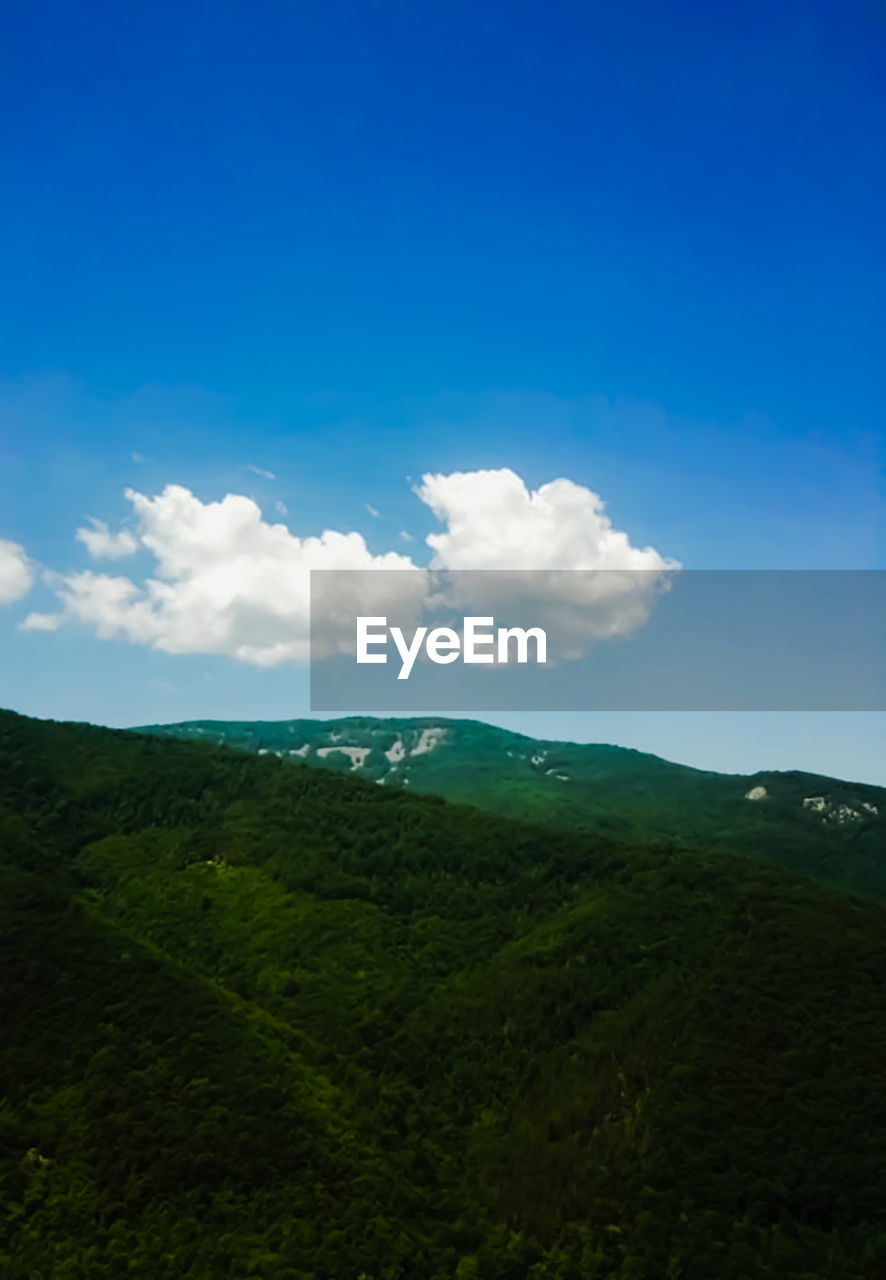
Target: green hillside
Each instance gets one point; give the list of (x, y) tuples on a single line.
[(262, 1020), (832, 830)]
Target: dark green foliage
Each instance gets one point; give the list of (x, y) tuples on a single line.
[(598, 790), (259, 1020)]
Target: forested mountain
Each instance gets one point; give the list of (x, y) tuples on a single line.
[(261, 1020), (832, 830)]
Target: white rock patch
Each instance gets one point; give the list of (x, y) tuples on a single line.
[(838, 813), (843, 813), (396, 753), (357, 755), (429, 739), (756, 793)]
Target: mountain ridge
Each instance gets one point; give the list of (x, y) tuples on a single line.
[(825, 827)]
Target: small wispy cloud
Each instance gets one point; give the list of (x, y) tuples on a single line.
[(100, 542), (260, 471), (406, 536), (281, 508), (138, 457), (42, 622), (373, 511)]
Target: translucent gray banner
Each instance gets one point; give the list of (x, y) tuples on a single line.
[(606, 640)]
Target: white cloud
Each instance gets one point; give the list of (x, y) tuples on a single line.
[(376, 515), (260, 471), (494, 522), (281, 508), (104, 545), (42, 622), (225, 581), (406, 536), (16, 572)]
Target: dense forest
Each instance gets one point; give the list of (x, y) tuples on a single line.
[(262, 1020), (832, 830)]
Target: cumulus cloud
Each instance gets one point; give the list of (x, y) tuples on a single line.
[(569, 568), (493, 521), (16, 572), (104, 545), (226, 581)]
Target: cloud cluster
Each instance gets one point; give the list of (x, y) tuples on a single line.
[(225, 581), (16, 572)]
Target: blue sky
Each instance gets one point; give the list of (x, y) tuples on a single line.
[(639, 246)]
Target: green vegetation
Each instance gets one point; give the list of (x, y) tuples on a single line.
[(261, 1020), (831, 830)]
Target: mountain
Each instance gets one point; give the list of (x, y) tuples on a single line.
[(264, 1020), (818, 826)]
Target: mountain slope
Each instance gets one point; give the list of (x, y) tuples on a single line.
[(131, 1084), (832, 830), (263, 1020)]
